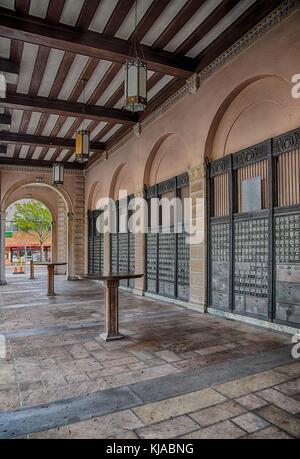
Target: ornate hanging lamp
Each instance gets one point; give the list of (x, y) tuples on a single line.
[(58, 174), (135, 76), (82, 149)]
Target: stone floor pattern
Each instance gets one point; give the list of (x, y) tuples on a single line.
[(178, 373)]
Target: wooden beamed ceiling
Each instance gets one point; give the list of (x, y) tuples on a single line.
[(54, 47)]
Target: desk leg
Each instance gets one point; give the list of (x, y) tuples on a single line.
[(111, 312), (51, 280)]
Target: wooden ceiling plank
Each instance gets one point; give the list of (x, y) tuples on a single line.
[(22, 7), (208, 24), (184, 15), (112, 71), (85, 76), (55, 9), (90, 44), (38, 71), (86, 15), (117, 18), (154, 11)]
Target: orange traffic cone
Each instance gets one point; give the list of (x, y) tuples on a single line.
[(15, 271), (21, 269)]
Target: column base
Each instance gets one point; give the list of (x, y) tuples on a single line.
[(72, 278), (3, 283), (108, 337)]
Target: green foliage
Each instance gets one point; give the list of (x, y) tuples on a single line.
[(33, 218)]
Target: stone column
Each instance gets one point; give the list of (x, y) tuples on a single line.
[(2, 248), (140, 242), (70, 268), (198, 292)]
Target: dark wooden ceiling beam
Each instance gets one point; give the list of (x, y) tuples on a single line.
[(156, 8), (42, 141), (3, 150), (55, 9), (183, 16), (249, 19), (38, 163), (86, 15), (91, 44), (117, 18), (211, 21), (44, 105)]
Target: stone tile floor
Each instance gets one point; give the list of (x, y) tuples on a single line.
[(178, 374)]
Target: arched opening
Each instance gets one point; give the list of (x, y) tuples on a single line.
[(28, 234), (60, 206)]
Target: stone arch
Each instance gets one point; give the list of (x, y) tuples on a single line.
[(90, 201), (64, 195), (169, 157), (122, 180), (30, 182), (247, 103)]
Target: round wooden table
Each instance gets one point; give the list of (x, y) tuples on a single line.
[(112, 281), (50, 267)]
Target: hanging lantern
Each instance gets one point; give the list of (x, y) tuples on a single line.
[(58, 174), (82, 151), (135, 85)]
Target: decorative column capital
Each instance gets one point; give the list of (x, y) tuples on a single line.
[(197, 173), (70, 215), (3, 215)]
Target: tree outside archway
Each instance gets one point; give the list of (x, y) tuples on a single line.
[(33, 218)]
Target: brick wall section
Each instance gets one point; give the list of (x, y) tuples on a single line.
[(198, 245)]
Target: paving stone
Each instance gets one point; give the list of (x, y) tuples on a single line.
[(281, 401), (103, 427), (281, 419), (224, 430), (270, 433), (124, 379), (250, 422), (9, 400), (168, 356), (176, 406), (168, 429), (251, 383), (291, 388), (251, 402), (292, 370), (217, 413)]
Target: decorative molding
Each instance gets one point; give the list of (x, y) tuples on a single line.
[(251, 155), (286, 142), (194, 84), (151, 192), (166, 186), (220, 166), (182, 180), (263, 27), (197, 173)]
